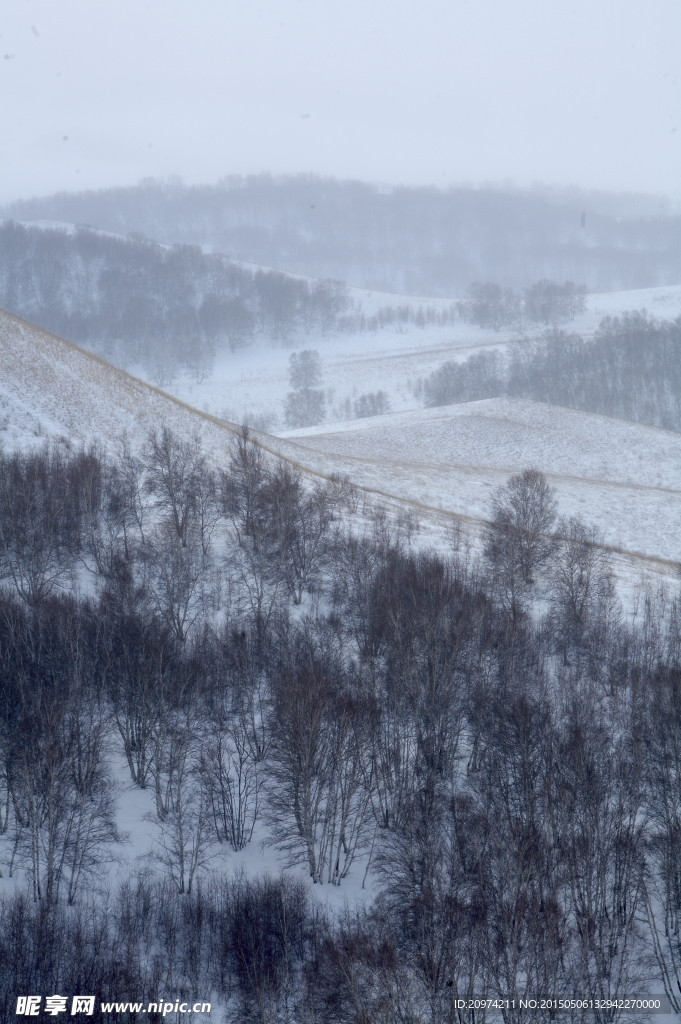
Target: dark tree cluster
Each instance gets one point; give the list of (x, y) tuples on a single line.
[(167, 307), (373, 403), (545, 302), (630, 369), (482, 375), (306, 402), (399, 317), (492, 746)]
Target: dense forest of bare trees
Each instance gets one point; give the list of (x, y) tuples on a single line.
[(172, 308), (135, 301), (491, 745), (630, 369)]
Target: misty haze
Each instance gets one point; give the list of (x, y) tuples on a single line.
[(340, 512)]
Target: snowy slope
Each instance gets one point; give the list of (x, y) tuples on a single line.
[(49, 387), (624, 477), (52, 389)]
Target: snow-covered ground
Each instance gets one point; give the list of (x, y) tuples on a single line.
[(49, 387), (139, 853), (52, 389)]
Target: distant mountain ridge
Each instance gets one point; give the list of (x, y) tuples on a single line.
[(420, 241)]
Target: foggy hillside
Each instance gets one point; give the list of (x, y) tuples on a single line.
[(440, 463), (422, 241)]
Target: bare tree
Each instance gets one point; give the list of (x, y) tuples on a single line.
[(231, 773), (255, 577), (305, 404), (62, 791), (521, 881), (185, 835), (348, 803), (299, 766), (430, 875), (139, 656), (176, 577), (305, 407), (325, 302), (663, 877), (602, 818), (236, 743), (518, 542), (581, 581), (182, 486), (128, 497), (298, 521), (374, 403), (548, 302), (280, 298), (306, 551), (267, 940), (314, 764), (490, 305), (241, 488), (38, 533), (180, 786), (305, 369)]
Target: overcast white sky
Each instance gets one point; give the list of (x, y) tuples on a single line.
[(106, 92)]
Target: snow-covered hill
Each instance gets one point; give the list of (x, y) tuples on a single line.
[(624, 477), (51, 388), (444, 463), (251, 383)]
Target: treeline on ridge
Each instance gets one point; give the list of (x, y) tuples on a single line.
[(631, 369), (260, 650), (414, 241)]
